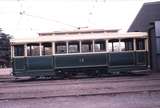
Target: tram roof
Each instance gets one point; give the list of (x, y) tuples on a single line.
[(71, 37), (85, 31)]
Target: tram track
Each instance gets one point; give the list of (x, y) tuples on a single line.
[(75, 81), (79, 87), (48, 91), (114, 93)]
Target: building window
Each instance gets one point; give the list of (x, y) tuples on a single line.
[(158, 45), (33, 49), (18, 50), (140, 44), (73, 47), (61, 47), (87, 46), (126, 44), (100, 45), (113, 45), (157, 28), (46, 48)]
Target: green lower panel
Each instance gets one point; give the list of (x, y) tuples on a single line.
[(39, 63), (83, 60), (118, 59), (127, 69), (33, 66), (18, 65), (141, 58)]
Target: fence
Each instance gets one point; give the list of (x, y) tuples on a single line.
[(5, 71)]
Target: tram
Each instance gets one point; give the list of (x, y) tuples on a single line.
[(88, 53)]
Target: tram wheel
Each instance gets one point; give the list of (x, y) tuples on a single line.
[(92, 73), (60, 74), (34, 77)]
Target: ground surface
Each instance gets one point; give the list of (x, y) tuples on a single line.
[(107, 92), (141, 100)]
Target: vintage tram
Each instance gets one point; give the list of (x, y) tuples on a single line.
[(88, 53)]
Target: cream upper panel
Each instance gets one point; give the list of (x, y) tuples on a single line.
[(70, 37)]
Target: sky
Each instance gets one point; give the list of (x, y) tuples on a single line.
[(27, 18)]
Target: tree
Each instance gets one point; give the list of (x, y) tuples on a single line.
[(4, 49)]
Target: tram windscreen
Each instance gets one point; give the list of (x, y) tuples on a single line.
[(18, 50)]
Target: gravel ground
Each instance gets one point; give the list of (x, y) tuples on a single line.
[(25, 90), (145, 99), (141, 100)]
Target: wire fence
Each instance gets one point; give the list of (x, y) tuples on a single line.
[(5, 71)]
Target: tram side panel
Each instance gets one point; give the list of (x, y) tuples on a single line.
[(82, 62), (128, 61), (122, 61), (33, 66), (142, 60), (112, 62), (40, 66), (19, 67)]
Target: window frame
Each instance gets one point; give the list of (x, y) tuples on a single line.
[(43, 49), (64, 44), (90, 46), (112, 45), (144, 44), (127, 42), (13, 50), (105, 45), (31, 50), (73, 43), (157, 44)]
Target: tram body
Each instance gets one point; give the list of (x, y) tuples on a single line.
[(74, 53)]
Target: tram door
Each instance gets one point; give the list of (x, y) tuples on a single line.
[(141, 54), (18, 59)]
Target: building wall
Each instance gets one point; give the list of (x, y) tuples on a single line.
[(148, 13), (157, 42), (155, 45), (148, 20)]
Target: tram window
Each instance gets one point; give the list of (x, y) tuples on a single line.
[(73, 47), (100, 45), (113, 45), (19, 50), (140, 44), (46, 48), (126, 44), (61, 47), (87, 46), (33, 49)]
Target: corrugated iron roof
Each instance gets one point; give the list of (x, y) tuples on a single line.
[(149, 13)]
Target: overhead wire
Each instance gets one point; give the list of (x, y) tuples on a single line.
[(23, 13), (48, 19)]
